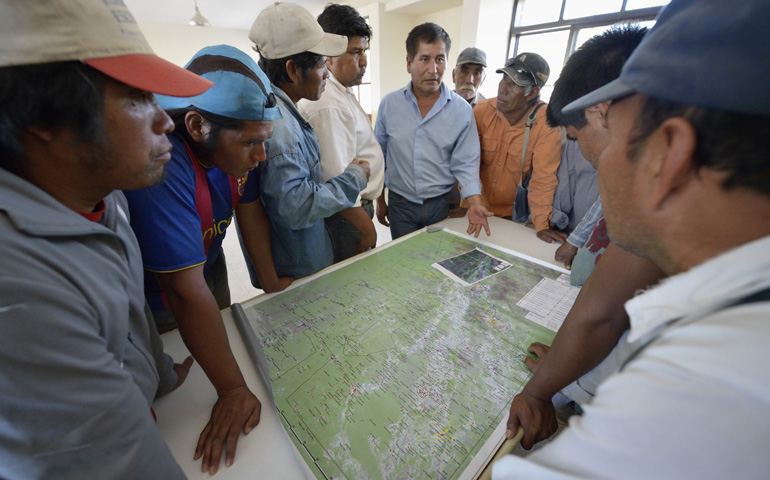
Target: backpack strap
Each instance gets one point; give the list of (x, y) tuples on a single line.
[(530, 122)]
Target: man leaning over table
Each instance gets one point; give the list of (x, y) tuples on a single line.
[(80, 358), (181, 222), (690, 397)]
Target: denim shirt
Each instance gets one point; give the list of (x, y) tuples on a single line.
[(296, 199)]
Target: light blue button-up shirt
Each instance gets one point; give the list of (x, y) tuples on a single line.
[(424, 156), (296, 199)]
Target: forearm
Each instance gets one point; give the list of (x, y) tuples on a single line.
[(202, 330), (254, 226), (595, 322), (358, 217)]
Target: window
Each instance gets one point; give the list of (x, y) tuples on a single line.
[(555, 28)]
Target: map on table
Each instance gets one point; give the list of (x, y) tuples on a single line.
[(387, 368)]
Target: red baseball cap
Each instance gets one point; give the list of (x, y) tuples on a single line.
[(101, 34)]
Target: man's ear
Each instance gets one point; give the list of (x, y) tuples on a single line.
[(294, 72), (453, 76), (533, 94), (600, 109), (196, 126), (408, 65), (42, 134), (669, 162)]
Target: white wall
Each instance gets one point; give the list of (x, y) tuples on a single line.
[(178, 43), (481, 23)]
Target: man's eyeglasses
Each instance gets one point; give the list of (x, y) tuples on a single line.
[(521, 68)]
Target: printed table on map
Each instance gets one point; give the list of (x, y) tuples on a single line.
[(385, 367)]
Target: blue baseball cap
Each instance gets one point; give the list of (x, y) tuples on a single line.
[(241, 90), (705, 53)]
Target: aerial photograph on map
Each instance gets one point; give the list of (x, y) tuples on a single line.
[(386, 368), (471, 267)]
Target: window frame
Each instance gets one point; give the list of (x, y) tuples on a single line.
[(575, 25)]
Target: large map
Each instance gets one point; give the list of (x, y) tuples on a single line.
[(388, 368)]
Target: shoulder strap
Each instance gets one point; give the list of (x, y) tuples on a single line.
[(530, 122), (760, 296), (202, 200)]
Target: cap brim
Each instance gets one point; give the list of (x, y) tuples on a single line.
[(612, 91), (152, 74), (331, 45), (515, 78)]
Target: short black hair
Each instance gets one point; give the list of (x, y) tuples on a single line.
[(29, 98), (733, 143), (275, 69), (427, 33), (595, 64), (344, 20)]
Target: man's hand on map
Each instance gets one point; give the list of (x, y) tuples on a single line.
[(565, 254), (538, 349), (535, 415), (235, 411), (477, 216)]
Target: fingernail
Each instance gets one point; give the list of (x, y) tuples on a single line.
[(228, 462), (508, 434)]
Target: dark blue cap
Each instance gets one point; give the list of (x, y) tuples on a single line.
[(705, 53), (241, 90)]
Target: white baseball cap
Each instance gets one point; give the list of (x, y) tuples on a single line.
[(101, 34), (284, 29)]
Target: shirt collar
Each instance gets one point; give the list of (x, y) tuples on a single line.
[(290, 105), (332, 80), (703, 289)]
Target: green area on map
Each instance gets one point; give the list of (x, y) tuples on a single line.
[(386, 368)]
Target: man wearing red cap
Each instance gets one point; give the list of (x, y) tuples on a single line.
[(81, 359)]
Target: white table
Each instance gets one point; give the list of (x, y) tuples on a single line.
[(267, 452)]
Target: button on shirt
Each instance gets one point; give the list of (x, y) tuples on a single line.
[(344, 132), (424, 156)]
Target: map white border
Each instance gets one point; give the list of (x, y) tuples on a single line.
[(480, 461)]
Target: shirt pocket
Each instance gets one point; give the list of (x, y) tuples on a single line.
[(489, 149)]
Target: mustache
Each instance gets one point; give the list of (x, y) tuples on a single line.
[(465, 86)]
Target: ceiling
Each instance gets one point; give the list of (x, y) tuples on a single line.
[(238, 14)]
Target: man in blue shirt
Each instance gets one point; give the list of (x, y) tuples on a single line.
[(296, 198), (428, 136), (181, 222)]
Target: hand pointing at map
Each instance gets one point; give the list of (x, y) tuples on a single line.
[(477, 216)]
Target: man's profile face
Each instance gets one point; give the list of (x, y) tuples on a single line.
[(237, 152), (620, 191), (592, 137), (350, 67), (134, 149), (427, 67), (467, 79), (313, 84)]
